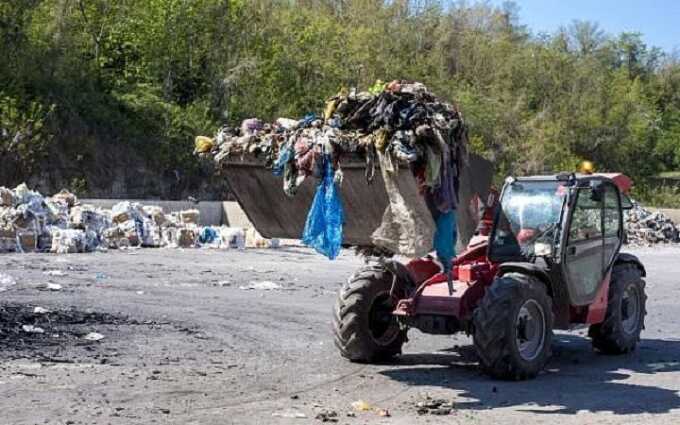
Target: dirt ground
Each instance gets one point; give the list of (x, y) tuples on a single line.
[(185, 343)]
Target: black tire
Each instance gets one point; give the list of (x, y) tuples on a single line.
[(501, 317), (619, 333), (363, 326)]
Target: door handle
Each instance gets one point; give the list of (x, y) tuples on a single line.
[(571, 250)]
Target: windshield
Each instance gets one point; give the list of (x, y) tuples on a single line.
[(529, 215)]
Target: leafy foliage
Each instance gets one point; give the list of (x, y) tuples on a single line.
[(151, 74)]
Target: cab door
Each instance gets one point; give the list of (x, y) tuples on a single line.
[(612, 222), (584, 253)]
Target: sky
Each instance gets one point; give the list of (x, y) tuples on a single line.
[(657, 20)]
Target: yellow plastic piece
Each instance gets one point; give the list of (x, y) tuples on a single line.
[(203, 144)]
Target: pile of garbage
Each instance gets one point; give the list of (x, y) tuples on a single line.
[(644, 227), (60, 224), (398, 122)]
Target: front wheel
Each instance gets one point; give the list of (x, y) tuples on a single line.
[(513, 327), (626, 309), (364, 327)]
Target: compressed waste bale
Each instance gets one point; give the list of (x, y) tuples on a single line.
[(155, 213), (253, 239), (126, 211), (131, 232), (29, 222), (68, 241), (24, 218), (114, 238), (45, 238), (190, 216), (233, 237), (87, 217), (23, 195), (57, 212), (187, 236), (151, 236), (8, 238), (67, 197), (6, 197), (169, 236), (208, 235), (27, 241)]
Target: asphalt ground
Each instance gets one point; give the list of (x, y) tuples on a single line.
[(186, 342)]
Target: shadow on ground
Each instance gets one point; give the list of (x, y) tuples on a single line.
[(577, 379)]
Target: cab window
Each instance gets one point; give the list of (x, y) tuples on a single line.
[(586, 222), (612, 217)]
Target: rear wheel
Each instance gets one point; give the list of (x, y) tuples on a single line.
[(513, 327), (625, 318), (364, 327)]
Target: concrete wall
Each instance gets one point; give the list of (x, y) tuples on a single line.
[(213, 213)]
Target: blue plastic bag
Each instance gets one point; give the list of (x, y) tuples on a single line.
[(307, 120), (445, 237), (208, 235), (323, 229)]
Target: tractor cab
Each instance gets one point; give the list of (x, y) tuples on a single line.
[(570, 226)]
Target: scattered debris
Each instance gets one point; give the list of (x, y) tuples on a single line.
[(55, 273), (93, 336), (253, 239), (361, 406), (40, 310), (6, 281), (644, 227), (290, 414), (384, 413), (328, 416), (33, 329), (53, 286), (432, 406), (264, 285)]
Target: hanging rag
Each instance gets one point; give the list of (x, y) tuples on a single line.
[(407, 227), (286, 154), (323, 229), (433, 166), (445, 237), (445, 196)]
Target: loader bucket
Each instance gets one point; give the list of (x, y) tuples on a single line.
[(275, 215)]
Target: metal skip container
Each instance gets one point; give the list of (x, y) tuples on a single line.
[(275, 215)]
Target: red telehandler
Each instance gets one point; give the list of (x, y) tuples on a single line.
[(548, 258)]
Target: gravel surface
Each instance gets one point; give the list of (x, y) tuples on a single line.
[(208, 337)]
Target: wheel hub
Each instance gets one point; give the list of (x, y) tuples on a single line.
[(382, 323), (630, 309), (530, 330)]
